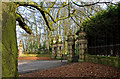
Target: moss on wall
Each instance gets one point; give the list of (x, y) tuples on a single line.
[(9, 41), (111, 61)]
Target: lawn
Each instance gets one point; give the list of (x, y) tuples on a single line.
[(36, 55)]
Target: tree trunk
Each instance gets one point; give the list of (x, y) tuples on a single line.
[(9, 41), (47, 38)]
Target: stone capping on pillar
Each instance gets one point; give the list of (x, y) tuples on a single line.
[(70, 37), (82, 35)]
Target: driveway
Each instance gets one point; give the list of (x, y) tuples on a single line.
[(27, 66)]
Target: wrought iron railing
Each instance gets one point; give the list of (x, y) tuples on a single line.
[(106, 50)]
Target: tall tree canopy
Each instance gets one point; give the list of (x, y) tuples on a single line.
[(103, 32)]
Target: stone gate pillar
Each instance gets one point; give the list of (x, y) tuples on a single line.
[(82, 45), (53, 48), (20, 48), (59, 48), (71, 47)]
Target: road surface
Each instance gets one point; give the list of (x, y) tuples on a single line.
[(27, 66)]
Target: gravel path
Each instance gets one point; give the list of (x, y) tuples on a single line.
[(27, 66)]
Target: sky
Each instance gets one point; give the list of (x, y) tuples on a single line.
[(19, 30), (76, 0)]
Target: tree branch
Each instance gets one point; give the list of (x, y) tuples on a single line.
[(64, 4), (38, 7), (51, 6), (91, 4), (20, 19), (75, 21), (47, 23), (58, 19)]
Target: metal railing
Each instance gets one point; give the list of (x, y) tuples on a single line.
[(106, 50)]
